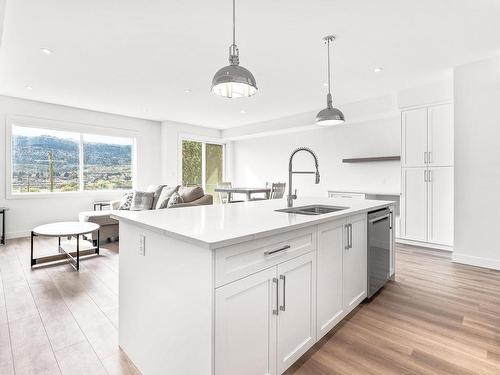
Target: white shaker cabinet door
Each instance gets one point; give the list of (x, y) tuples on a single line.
[(355, 283), (297, 309), (440, 138), (414, 184), (414, 138), (245, 326), (329, 276), (441, 205)]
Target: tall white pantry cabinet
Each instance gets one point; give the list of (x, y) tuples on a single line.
[(427, 175)]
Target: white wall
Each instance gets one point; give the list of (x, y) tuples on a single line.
[(477, 163), (26, 213), (266, 158), (362, 111), (434, 93)]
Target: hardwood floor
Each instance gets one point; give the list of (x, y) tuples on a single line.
[(437, 317), (54, 320)]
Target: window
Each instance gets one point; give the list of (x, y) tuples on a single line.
[(202, 165), (107, 162), (47, 161)]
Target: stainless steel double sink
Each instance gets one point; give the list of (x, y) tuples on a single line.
[(314, 209)]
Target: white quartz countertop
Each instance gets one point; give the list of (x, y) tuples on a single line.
[(227, 224)]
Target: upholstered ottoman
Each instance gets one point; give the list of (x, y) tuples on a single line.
[(109, 226)]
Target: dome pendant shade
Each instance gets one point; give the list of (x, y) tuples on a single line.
[(330, 115), (234, 81)]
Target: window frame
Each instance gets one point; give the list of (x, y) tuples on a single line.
[(78, 129), (204, 140)]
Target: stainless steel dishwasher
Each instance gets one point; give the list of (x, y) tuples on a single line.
[(379, 251)]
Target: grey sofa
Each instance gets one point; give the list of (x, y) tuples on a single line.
[(191, 196)]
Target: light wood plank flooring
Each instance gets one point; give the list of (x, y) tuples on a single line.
[(54, 320), (436, 318)]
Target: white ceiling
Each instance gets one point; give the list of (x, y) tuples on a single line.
[(137, 57)]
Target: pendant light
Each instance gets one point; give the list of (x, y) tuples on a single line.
[(329, 115), (234, 81)]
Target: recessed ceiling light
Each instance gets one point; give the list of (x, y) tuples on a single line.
[(378, 70), (187, 91), (28, 87), (243, 111), (47, 51)]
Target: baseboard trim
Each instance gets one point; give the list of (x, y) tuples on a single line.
[(476, 261), (424, 244), (13, 235)]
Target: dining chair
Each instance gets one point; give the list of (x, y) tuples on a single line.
[(277, 190), (223, 196)]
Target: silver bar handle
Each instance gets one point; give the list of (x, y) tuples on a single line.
[(430, 176), (425, 157), (430, 157), (283, 307), (275, 311), (347, 234), (271, 252), (425, 175), (391, 220), (380, 218), (350, 236)]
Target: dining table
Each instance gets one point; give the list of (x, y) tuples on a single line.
[(248, 191)]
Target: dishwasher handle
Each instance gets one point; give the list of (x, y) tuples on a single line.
[(380, 218)]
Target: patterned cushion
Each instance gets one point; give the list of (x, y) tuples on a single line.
[(126, 201), (174, 199), (165, 195), (142, 200)]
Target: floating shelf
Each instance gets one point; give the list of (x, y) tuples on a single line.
[(372, 159)]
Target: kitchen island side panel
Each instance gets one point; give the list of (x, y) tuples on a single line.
[(166, 303)]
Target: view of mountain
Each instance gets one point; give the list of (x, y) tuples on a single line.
[(106, 166)]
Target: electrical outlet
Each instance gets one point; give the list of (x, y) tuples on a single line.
[(142, 245)]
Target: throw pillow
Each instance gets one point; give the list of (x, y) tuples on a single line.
[(191, 193), (174, 199), (142, 200), (157, 190), (165, 195), (126, 201)]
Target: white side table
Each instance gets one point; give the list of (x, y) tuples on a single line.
[(65, 229)]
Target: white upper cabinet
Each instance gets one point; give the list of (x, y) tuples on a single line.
[(440, 135), (414, 203), (354, 271), (297, 310), (329, 276), (414, 138), (245, 334), (440, 205)]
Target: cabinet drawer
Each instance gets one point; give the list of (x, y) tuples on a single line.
[(340, 194), (240, 260)]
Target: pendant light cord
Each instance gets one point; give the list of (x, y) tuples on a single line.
[(328, 49), (233, 49), (234, 22)]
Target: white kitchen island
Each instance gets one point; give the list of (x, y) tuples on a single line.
[(238, 288)]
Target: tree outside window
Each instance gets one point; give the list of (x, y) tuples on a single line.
[(202, 165)]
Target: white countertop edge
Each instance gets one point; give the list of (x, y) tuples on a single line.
[(367, 192), (232, 241)]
